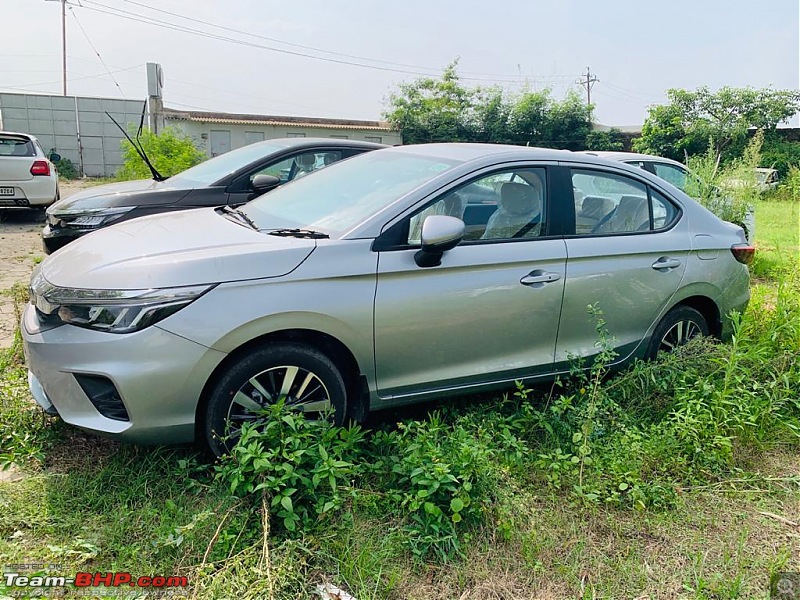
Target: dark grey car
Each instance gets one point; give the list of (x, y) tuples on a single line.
[(228, 179)]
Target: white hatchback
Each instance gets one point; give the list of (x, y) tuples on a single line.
[(28, 178)]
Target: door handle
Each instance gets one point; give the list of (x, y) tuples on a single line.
[(665, 262), (539, 276)]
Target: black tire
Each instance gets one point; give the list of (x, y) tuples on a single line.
[(262, 373), (677, 327)]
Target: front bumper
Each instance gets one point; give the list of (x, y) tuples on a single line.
[(159, 377), (54, 238)]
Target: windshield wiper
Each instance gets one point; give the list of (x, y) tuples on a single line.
[(300, 233), (139, 148), (240, 216)]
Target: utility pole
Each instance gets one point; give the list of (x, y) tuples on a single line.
[(63, 44), (588, 80)]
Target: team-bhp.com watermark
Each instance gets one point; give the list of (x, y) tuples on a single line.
[(30, 580)]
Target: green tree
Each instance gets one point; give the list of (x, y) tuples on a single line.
[(684, 125), (490, 115), (781, 154), (443, 110), (433, 110), (605, 140), (171, 152)]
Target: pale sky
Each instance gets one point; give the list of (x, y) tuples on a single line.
[(636, 48)]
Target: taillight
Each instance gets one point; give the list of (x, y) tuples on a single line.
[(40, 167), (743, 253)]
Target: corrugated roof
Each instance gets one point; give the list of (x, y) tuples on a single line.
[(249, 119)]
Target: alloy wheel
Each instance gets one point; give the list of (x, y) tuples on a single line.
[(299, 388), (680, 333)]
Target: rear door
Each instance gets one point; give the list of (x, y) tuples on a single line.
[(629, 261)]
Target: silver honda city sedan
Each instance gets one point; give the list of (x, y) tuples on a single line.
[(398, 276)]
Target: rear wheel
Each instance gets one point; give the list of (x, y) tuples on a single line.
[(678, 326), (303, 377)]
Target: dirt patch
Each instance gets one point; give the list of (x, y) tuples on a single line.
[(20, 250)]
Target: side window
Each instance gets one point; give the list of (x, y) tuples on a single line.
[(299, 165), (675, 175), (502, 206), (610, 203), (636, 163), (664, 211)]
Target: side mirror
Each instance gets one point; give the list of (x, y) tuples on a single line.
[(440, 233), (264, 183), (54, 157)]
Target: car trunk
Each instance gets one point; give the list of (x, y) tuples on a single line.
[(16, 168), (17, 154)]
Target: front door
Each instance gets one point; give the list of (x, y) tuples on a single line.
[(490, 311)]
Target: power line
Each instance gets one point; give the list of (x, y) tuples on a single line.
[(91, 45), (138, 17), (78, 78), (315, 49)]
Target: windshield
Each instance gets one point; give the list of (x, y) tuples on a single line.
[(218, 167), (337, 198)]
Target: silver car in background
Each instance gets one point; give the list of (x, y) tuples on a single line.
[(398, 276), (677, 174)]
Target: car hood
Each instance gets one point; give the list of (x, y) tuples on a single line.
[(180, 248), (124, 193)]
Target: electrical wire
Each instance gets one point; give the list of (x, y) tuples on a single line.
[(80, 77), (91, 45), (137, 17), (315, 49)]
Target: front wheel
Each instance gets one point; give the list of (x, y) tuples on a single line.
[(678, 326), (303, 377)]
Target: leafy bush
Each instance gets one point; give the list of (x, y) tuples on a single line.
[(304, 467), (171, 152), (780, 154), (66, 169), (679, 420), (728, 191), (605, 140), (788, 189), (441, 477)]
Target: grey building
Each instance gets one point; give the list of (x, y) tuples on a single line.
[(78, 128)]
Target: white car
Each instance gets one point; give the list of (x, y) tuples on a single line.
[(28, 177)]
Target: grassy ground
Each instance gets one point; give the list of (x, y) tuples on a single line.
[(723, 529), (777, 238)]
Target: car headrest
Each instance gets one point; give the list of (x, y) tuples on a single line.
[(520, 199), (596, 207)]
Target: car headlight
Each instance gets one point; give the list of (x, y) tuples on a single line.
[(88, 217), (112, 311)]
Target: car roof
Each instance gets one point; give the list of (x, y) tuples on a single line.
[(626, 156), (464, 152), (24, 135), (292, 143)]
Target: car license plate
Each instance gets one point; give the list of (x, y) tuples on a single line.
[(6, 191)]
